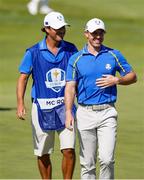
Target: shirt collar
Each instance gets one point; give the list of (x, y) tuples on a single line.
[(42, 44), (103, 49)]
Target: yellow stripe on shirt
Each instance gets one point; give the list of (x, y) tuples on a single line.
[(117, 60), (74, 65)]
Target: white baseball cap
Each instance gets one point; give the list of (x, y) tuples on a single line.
[(55, 20), (94, 24)]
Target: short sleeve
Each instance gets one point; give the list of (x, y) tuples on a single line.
[(71, 74), (123, 67), (26, 63)]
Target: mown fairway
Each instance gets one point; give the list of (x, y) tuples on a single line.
[(18, 30)]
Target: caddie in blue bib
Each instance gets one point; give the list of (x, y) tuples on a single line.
[(49, 80)]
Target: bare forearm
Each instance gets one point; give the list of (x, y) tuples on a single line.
[(21, 87), (130, 78), (20, 91), (69, 96), (110, 80)]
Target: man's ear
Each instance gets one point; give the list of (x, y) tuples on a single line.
[(47, 29), (86, 34)]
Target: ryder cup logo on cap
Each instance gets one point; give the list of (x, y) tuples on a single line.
[(55, 20), (94, 24)]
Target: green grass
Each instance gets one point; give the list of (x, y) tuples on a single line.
[(19, 30)]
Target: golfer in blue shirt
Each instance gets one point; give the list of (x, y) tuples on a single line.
[(91, 77), (47, 61)]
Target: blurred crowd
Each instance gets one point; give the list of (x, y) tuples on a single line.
[(38, 6)]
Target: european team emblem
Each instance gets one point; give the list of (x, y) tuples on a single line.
[(55, 79), (108, 66)]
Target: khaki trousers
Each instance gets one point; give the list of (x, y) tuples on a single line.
[(97, 130)]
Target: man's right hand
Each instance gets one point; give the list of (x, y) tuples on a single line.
[(20, 92), (21, 112), (69, 121)]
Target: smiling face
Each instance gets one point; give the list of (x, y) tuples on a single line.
[(56, 34), (95, 38)]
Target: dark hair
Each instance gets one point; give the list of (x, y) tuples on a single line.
[(43, 29)]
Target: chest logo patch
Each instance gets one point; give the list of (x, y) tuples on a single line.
[(55, 79), (108, 66)]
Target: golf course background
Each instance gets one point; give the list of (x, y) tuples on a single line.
[(124, 21)]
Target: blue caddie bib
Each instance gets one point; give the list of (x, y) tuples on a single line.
[(49, 80)]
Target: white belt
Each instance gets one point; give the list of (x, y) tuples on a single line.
[(97, 107)]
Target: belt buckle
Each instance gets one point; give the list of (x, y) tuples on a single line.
[(95, 107), (99, 107)]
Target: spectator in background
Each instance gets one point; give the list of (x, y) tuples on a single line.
[(38, 6)]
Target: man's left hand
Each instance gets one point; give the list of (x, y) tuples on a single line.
[(107, 81)]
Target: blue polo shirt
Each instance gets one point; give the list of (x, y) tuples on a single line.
[(85, 68), (26, 65)]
